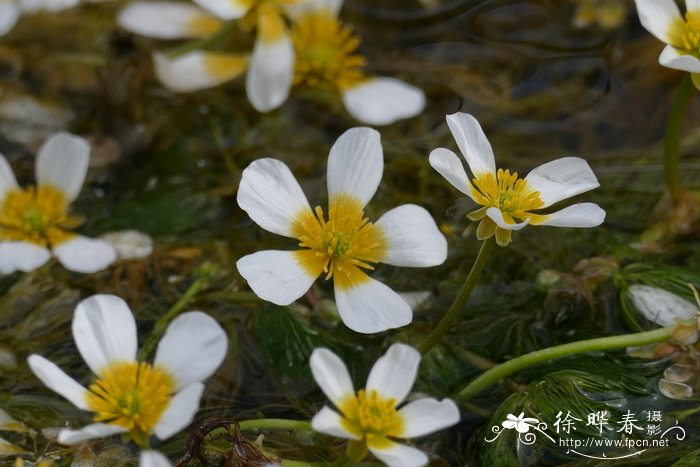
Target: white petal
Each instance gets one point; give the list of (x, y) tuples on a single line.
[(9, 14), (426, 416), (400, 455), (658, 16), (294, 11), (33, 6), (271, 196), (331, 375), (356, 164), (275, 276), (192, 349), (448, 164), (129, 244), (577, 215), (180, 412), (383, 101), (21, 256), (151, 458), (63, 162), (692, 5), (472, 142), (372, 307), (104, 331), (7, 177), (330, 422), (497, 216), (393, 375), (55, 379), (226, 9), (661, 306), (561, 179), (167, 20), (198, 70), (270, 72), (671, 58), (95, 430), (413, 238), (85, 255)]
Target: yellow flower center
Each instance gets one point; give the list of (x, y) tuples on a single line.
[(511, 195), (326, 52), (685, 35), (341, 245), (372, 418), (132, 395), (36, 215)]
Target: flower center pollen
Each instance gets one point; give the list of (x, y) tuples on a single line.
[(372, 417), (132, 395), (341, 245), (685, 35), (36, 215), (510, 194), (326, 52)]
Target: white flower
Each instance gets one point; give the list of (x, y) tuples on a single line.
[(507, 199), (370, 418), (271, 64), (663, 19), (342, 243), (129, 396), (129, 244), (327, 58), (520, 423), (35, 222), (661, 306)]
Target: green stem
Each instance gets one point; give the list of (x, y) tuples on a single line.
[(222, 33), (524, 361), (204, 275), (447, 320), (274, 424), (673, 136)]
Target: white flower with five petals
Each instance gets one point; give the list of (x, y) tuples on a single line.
[(370, 418), (507, 202), (129, 396), (35, 222), (521, 423), (663, 19), (341, 244), (270, 66)]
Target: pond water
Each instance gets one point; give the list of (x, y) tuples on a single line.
[(542, 85)]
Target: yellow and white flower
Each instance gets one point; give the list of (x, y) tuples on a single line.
[(510, 203), (270, 67), (36, 222), (370, 418), (341, 243), (129, 396), (663, 19), (326, 57)]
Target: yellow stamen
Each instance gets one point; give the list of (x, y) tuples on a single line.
[(511, 195), (132, 395), (36, 215), (340, 246), (685, 35), (372, 418), (203, 26), (326, 52)]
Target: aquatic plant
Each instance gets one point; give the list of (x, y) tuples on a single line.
[(35, 222), (370, 419), (339, 244), (130, 396)]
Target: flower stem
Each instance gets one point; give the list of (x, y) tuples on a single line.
[(203, 276), (447, 320), (274, 424), (226, 29), (524, 361), (673, 136)]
